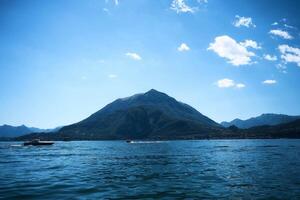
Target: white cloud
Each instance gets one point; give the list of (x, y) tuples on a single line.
[(275, 24), (270, 58), (228, 83), (243, 21), (289, 54), (183, 47), (225, 83), (235, 53), (181, 7), (133, 56), (269, 82), (281, 33), (250, 43), (240, 85)]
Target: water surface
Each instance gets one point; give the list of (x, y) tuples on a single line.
[(207, 169)]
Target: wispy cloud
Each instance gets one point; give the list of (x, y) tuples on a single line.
[(133, 56), (183, 47), (289, 54), (116, 2), (112, 76), (240, 85), (180, 6), (236, 54), (100, 61), (281, 67), (283, 22), (288, 26), (269, 57), (243, 21), (269, 82), (250, 43), (281, 33), (229, 83), (106, 10)]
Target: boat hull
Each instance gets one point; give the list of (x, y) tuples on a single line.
[(38, 143)]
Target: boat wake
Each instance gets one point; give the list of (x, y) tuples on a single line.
[(16, 145), (146, 142)]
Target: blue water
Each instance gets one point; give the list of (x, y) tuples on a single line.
[(214, 169)]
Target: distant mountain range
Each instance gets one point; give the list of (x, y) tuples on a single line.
[(13, 131), (264, 119), (155, 115), (285, 130), (7, 131)]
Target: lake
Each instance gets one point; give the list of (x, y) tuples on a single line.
[(206, 169)]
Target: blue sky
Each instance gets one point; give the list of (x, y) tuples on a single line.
[(60, 61)]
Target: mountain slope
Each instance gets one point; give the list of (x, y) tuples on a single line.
[(149, 115), (264, 119), (40, 130)]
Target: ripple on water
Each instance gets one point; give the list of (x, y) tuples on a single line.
[(229, 169)]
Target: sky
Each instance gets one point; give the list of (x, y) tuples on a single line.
[(62, 60)]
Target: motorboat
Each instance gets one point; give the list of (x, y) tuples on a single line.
[(38, 142)]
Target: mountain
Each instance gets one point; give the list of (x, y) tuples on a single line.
[(13, 131), (149, 115), (7, 131), (285, 130), (155, 115), (264, 119)]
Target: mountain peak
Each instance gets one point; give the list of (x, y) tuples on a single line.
[(155, 92), (268, 114)]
